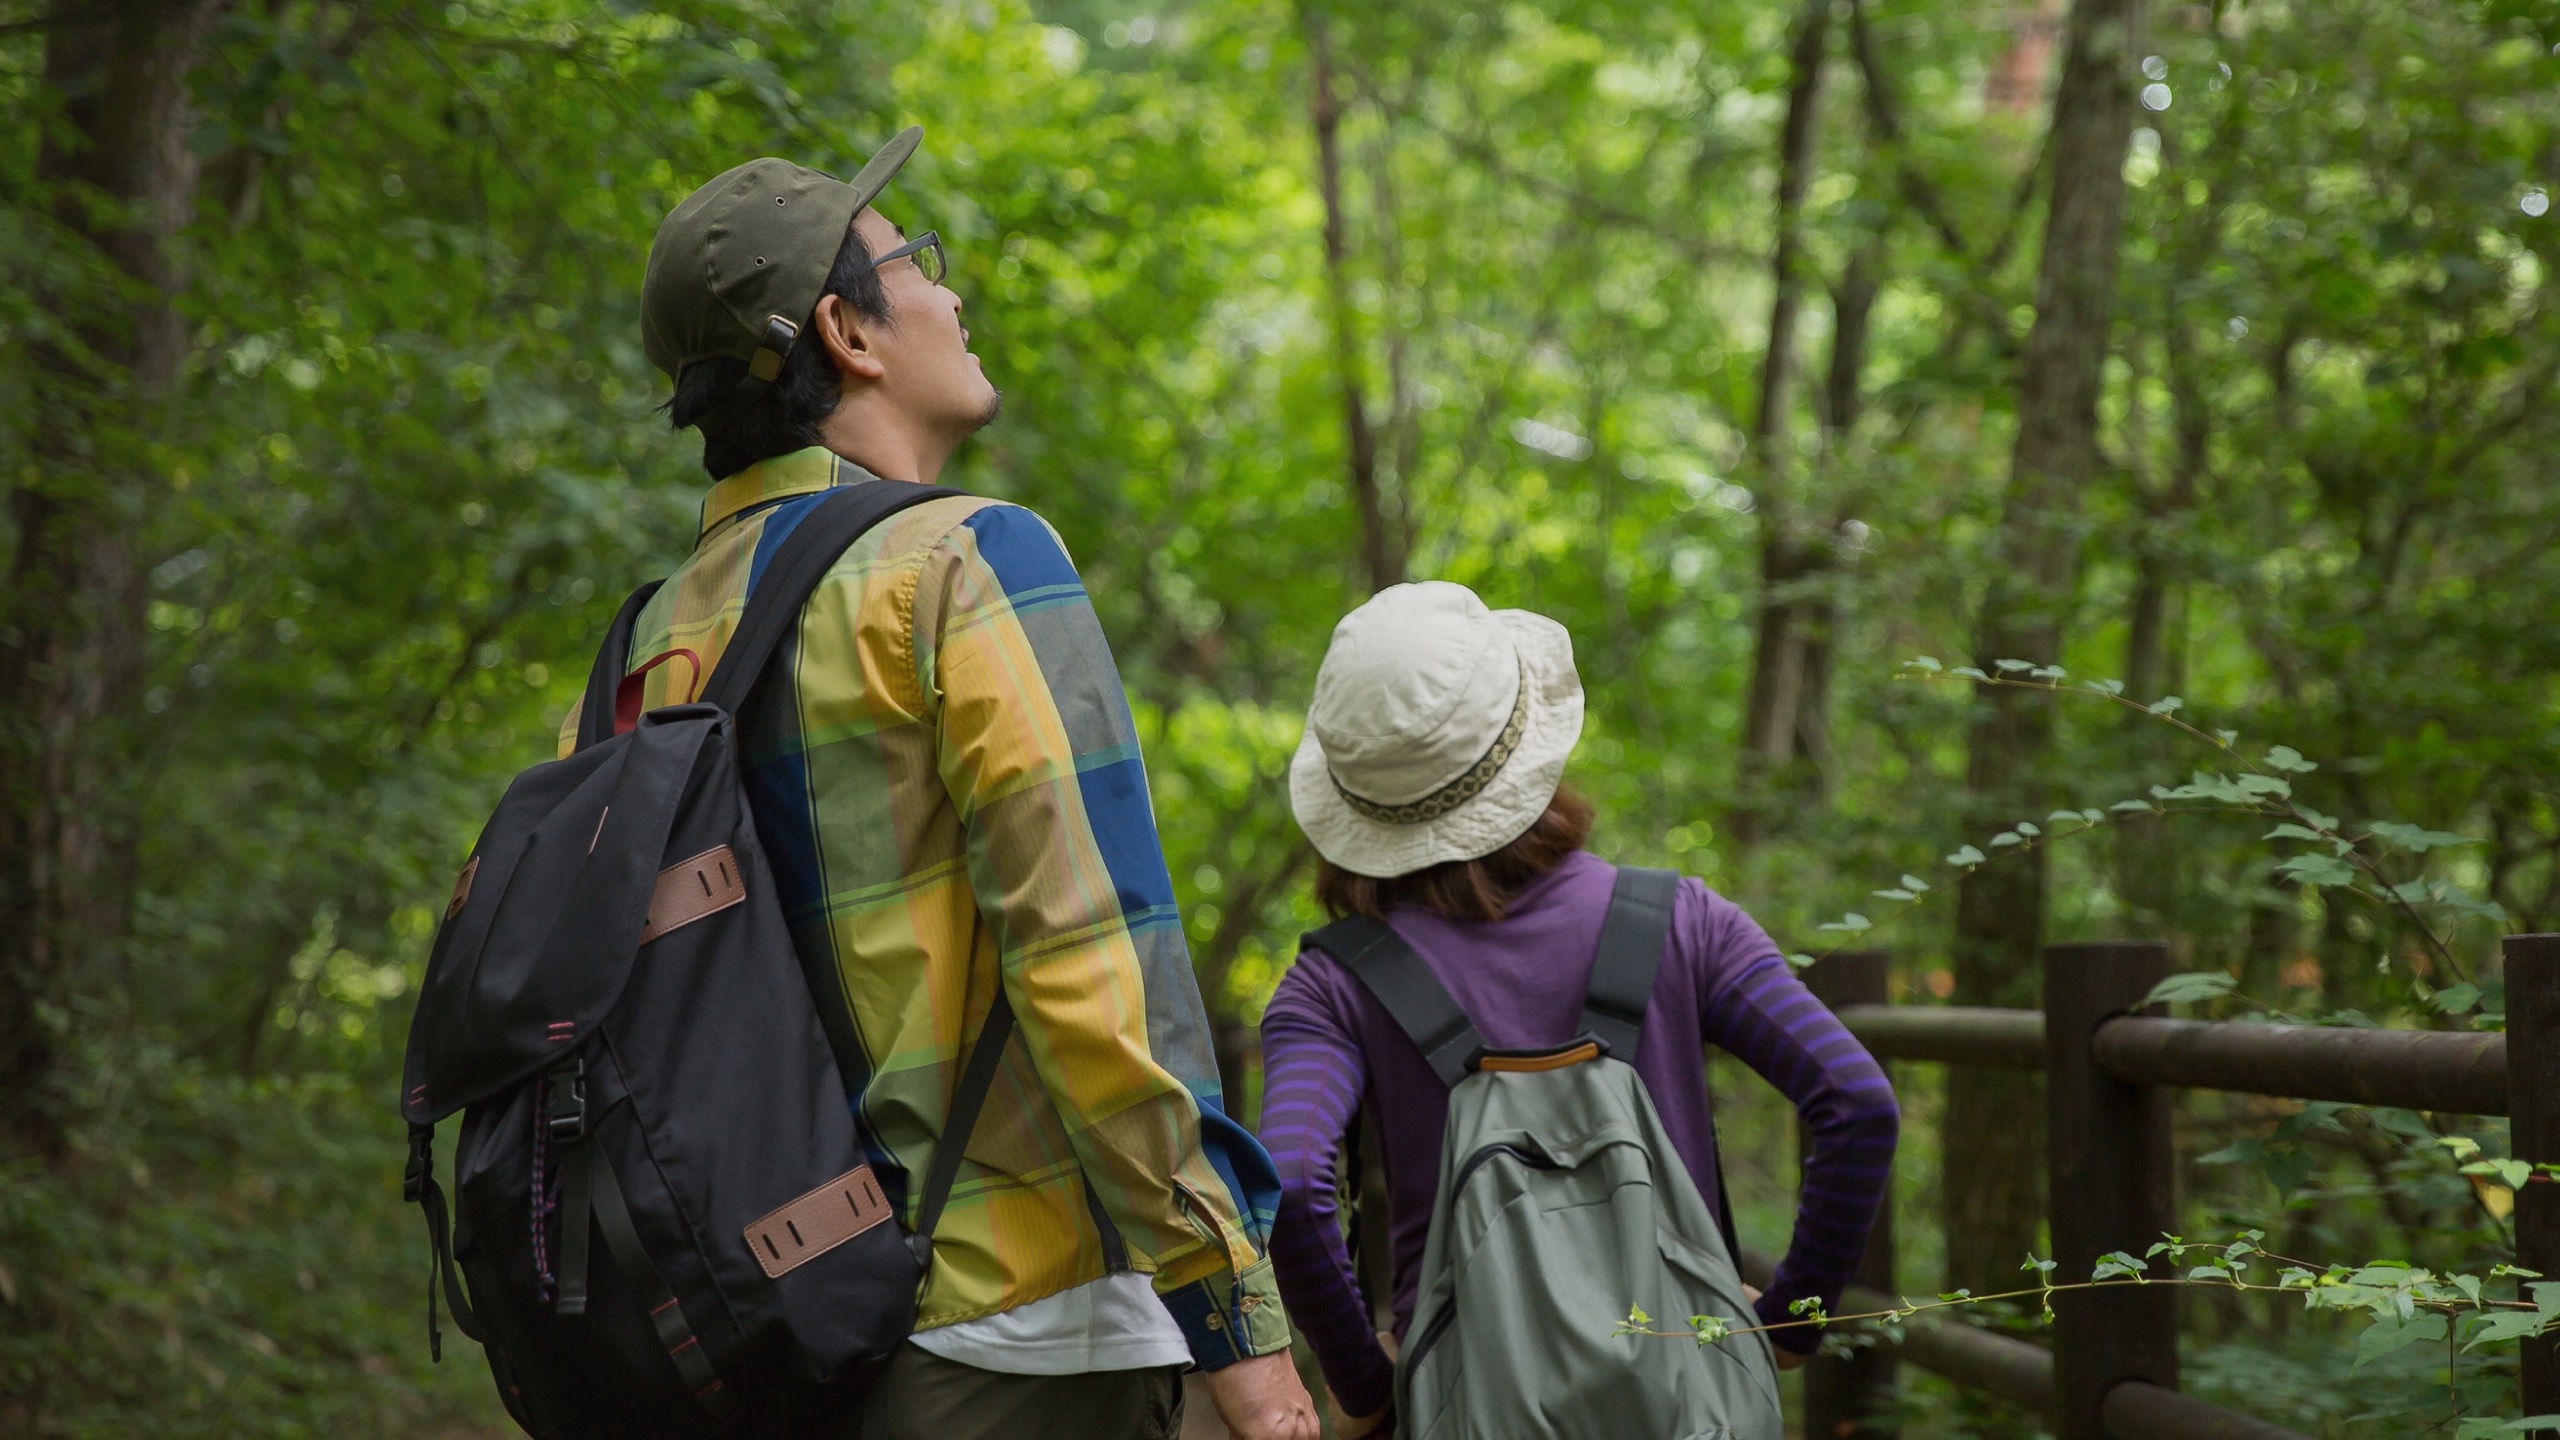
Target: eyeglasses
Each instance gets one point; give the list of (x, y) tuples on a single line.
[(926, 249)]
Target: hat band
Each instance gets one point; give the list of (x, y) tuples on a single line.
[(1457, 792)]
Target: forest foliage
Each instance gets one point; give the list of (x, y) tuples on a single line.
[(1289, 301)]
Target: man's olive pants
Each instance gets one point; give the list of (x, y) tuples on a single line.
[(922, 1396)]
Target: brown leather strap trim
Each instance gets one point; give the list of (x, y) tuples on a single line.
[(690, 889), (1530, 1064), (818, 1222), (462, 888)]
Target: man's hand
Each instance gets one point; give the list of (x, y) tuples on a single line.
[(1262, 1399)]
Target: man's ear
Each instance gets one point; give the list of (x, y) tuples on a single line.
[(847, 337)]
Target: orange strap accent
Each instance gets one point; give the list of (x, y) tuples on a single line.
[(1530, 1064), (818, 1221)]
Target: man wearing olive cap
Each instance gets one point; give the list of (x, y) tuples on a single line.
[(947, 783)]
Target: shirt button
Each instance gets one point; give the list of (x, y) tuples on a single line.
[(1215, 1321)]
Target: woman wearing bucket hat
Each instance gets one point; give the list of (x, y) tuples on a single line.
[(1429, 782)]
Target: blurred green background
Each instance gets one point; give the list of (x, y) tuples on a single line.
[(1287, 301)]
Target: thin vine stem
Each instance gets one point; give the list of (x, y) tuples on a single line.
[(2284, 806)]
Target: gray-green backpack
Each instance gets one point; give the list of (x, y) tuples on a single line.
[(1562, 1203)]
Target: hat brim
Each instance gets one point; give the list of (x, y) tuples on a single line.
[(1495, 817), (883, 166)]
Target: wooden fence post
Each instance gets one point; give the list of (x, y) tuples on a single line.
[(2110, 1186), (2533, 1116), (1851, 1398)]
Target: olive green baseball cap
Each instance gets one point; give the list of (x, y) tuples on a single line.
[(737, 268)]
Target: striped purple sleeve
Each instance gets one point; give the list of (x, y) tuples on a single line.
[(1765, 1017), (1312, 1084)]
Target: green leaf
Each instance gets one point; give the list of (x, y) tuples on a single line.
[(2502, 1326), (2007, 837), (1924, 662), (2535, 1422), (1914, 883), (2107, 687), (2026, 828), (2285, 757), (2128, 806), (2011, 667), (2455, 999), (2166, 705), (1966, 855), (2226, 738), (1893, 895), (2190, 988), (1969, 673), (2263, 785), (2291, 831), (2321, 870), (2414, 839), (1852, 922), (1801, 961), (2392, 1333)]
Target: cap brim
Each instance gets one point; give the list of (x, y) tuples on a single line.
[(883, 166)]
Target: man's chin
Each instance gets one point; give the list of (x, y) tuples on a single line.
[(988, 412)]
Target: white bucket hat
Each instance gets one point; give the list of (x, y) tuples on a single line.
[(1438, 732)]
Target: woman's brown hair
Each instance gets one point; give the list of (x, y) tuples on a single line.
[(1479, 889)]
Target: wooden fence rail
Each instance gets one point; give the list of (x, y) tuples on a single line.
[(2113, 1368)]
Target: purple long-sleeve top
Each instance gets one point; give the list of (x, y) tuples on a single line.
[(1328, 1047)]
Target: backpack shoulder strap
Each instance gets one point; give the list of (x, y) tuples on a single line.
[(604, 680), (792, 575), (1421, 1006), (968, 1098), (1631, 941)]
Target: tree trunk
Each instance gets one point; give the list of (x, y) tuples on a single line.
[(1382, 547), (118, 174), (1993, 1210), (1781, 647)]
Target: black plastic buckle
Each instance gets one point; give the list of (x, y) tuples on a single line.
[(566, 1115), (422, 1165)]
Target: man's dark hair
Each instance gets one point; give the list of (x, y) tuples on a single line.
[(787, 415)]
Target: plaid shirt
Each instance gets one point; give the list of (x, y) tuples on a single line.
[(947, 784)]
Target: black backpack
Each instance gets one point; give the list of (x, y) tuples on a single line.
[(661, 1199)]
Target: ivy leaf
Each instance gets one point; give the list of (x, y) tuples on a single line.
[(2415, 839), (1967, 855), (2226, 738), (2264, 785), (2024, 828), (1924, 662), (1853, 922), (2291, 831), (2165, 705), (1914, 883), (2129, 806), (1893, 895), (2046, 672), (2190, 988), (2285, 757), (2107, 687), (2317, 870), (1800, 961), (2007, 837), (1969, 672), (2011, 667)]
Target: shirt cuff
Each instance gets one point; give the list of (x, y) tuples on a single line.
[(1230, 1316)]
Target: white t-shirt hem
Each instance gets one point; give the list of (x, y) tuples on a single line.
[(1114, 1323)]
